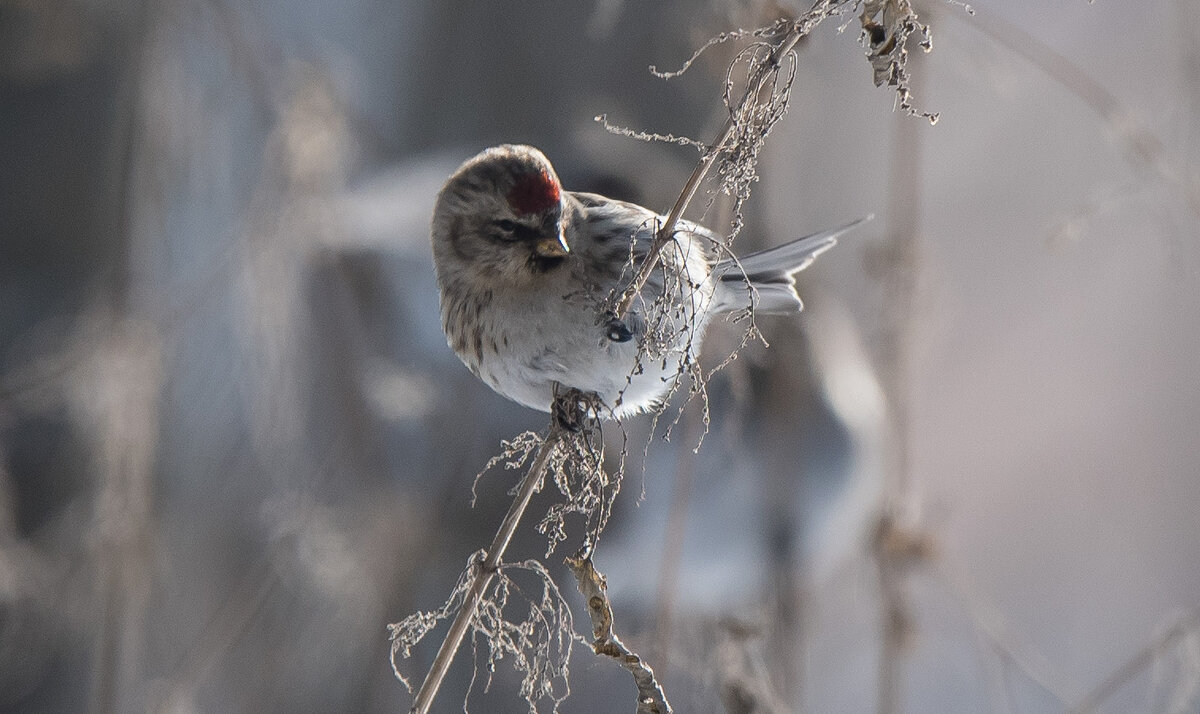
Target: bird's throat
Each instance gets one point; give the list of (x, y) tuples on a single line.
[(542, 264)]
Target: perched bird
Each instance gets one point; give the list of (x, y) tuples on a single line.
[(525, 268)]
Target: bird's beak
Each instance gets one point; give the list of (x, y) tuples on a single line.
[(552, 246)]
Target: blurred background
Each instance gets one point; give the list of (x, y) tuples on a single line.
[(234, 445)]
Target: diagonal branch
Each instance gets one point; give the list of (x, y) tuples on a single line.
[(666, 231), (651, 699), (1140, 142), (483, 573), (1189, 624)]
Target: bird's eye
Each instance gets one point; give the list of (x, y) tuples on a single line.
[(508, 231)]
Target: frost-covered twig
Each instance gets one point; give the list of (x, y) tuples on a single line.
[(887, 27), (566, 454), (651, 699), (762, 78), (483, 573)]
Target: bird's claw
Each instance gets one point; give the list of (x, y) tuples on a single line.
[(568, 412)]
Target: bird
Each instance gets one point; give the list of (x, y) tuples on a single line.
[(527, 272)]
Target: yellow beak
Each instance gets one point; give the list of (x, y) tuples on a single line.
[(552, 247)]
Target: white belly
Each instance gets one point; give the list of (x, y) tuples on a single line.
[(563, 344)]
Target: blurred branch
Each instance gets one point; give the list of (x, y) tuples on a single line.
[(230, 622), (1188, 624), (897, 550), (745, 683), (676, 535), (651, 699), (898, 265), (1141, 143), (991, 626), (116, 401)]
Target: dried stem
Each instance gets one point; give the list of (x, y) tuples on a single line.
[(484, 572), (651, 699), (666, 231)]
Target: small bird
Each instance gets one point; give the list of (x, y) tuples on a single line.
[(526, 269)]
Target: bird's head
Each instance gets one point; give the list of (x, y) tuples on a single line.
[(500, 217)]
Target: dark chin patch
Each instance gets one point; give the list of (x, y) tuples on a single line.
[(544, 264)]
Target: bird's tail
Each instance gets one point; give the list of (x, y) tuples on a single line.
[(766, 280)]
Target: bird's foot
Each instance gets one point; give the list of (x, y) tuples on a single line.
[(571, 408)]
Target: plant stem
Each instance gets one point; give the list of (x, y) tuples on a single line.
[(483, 575), (667, 230), (592, 585)]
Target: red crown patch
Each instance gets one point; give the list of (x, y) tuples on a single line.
[(534, 193)]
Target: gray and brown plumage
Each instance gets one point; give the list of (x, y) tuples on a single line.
[(523, 267)]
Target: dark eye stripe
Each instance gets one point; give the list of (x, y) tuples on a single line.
[(510, 231)]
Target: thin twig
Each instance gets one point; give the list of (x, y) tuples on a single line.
[(667, 230), (484, 572)]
